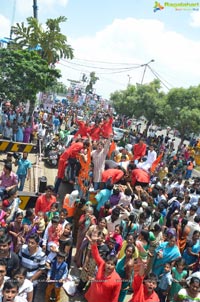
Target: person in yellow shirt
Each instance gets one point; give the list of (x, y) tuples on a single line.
[(122, 155), (129, 240)]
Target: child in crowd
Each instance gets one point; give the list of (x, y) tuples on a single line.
[(116, 235), (53, 236), (30, 223), (111, 246), (144, 287), (25, 286), (66, 243), (179, 275), (165, 283), (40, 222), (10, 292), (53, 212), (57, 272)]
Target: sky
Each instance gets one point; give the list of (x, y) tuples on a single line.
[(123, 42)]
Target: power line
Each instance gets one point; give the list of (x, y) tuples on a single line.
[(109, 70), (106, 62), (158, 78), (161, 77), (104, 68)]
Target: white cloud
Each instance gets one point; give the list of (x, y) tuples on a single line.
[(5, 26), (25, 8), (138, 41), (195, 22)]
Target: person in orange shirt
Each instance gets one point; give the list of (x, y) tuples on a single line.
[(83, 130), (96, 131), (70, 152), (107, 283), (144, 287), (190, 166), (139, 150), (69, 204), (44, 201), (112, 176), (139, 177), (106, 128)]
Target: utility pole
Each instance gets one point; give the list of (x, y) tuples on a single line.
[(13, 19), (145, 68), (35, 9)]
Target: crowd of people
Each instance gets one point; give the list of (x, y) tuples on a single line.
[(132, 218)]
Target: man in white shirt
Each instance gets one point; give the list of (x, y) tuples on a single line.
[(194, 226), (151, 157)]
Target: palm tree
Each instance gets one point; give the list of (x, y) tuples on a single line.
[(51, 44)]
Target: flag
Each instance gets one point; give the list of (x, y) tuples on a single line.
[(156, 162)]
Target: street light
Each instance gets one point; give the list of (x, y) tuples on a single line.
[(145, 68)]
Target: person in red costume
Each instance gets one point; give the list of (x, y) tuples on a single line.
[(139, 150), (139, 177), (144, 287), (112, 176), (83, 130), (106, 128), (70, 152), (95, 131), (107, 283)]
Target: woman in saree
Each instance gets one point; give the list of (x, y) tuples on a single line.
[(183, 232), (167, 251), (86, 220), (125, 268), (100, 227), (192, 249), (142, 244)]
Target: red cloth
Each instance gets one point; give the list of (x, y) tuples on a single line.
[(155, 163), (140, 293), (95, 132), (140, 175), (72, 152), (111, 149), (44, 205), (107, 128), (103, 289), (139, 150), (114, 174), (83, 129)]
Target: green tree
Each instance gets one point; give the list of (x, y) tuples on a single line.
[(23, 74), (182, 110), (50, 43), (141, 100)]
